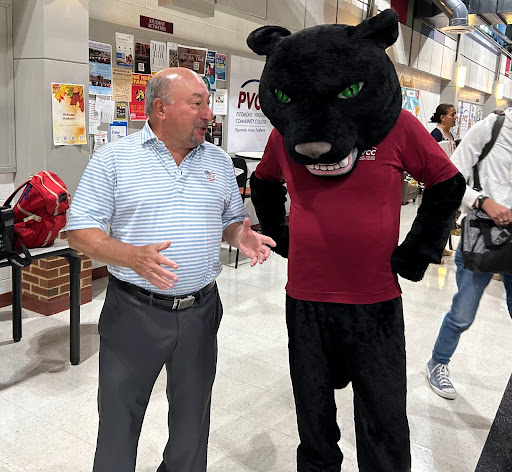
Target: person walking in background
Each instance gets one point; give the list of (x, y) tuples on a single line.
[(495, 172), (138, 195), (445, 116)]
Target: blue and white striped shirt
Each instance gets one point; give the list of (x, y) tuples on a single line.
[(135, 186)]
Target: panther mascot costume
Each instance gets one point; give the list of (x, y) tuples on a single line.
[(341, 143)]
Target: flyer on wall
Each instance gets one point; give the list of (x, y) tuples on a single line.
[(172, 53), (220, 102), (100, 68), (117, 130), (192, 58), (68, 114), (158, 56), (138, 99), (142, 62), (220, 66), (124, 50), (122, 85), (411, 100), (121, 110), (210, 70)]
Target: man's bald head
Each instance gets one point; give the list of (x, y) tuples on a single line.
[(162, 85)]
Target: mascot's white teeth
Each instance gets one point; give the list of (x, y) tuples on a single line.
[(338, 168)]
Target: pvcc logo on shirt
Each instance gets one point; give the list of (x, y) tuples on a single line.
[(369, 154), (210, 175)]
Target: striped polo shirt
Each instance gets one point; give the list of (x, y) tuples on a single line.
[(133, 190)]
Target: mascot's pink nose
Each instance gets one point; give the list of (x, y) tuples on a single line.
[(313, 150)]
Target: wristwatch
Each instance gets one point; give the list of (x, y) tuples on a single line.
[(480, 200)]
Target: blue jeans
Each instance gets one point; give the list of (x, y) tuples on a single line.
[(471, 286)]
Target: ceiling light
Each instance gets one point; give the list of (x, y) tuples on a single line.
[(500, 88), (457, 29)]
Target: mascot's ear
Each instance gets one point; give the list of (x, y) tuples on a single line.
[(382, 29), (263, 40)]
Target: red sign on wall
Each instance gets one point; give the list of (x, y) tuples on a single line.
[(154, 24)]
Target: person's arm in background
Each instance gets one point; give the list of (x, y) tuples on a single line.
[(466, 157)]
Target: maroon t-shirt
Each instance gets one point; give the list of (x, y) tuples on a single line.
[(343, 230)]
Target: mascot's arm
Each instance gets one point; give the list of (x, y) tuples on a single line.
[(269, 200), (430, 230)]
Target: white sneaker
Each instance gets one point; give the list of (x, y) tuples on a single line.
[(438, 377)]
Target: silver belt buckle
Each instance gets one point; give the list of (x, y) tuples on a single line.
[(182, 303)]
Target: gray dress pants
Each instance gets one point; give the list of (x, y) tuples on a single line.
[(136, 341)]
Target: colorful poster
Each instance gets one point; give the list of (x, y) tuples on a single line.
[(142, 60), (248, 127), (172, 54), (124, 50), (100, 68), (158, 56), (220, 66), (122, 85), (220, 102), (68, 114), (121, 110), (138, 97), (192, 58), (210, 69), (411, 100)]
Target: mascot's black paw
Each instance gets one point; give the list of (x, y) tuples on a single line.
[(409, 263)]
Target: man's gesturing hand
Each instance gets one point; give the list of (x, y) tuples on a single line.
[(148, 263), (254, 245)]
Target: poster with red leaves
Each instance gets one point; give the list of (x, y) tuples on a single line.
[(138, 97), (68, 114)]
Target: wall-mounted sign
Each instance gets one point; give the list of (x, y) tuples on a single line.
[(68, 114), (154, 24), (248, 127)]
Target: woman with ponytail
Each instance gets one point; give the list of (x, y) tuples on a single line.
[(445, 117)]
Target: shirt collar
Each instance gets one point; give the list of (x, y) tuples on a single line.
[(147, 134)]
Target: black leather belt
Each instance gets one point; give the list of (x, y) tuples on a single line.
[(172, 303)]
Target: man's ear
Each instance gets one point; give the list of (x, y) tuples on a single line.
[(264, 39), (158, 107), (381, 29)]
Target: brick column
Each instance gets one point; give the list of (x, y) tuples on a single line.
[(45, 285)]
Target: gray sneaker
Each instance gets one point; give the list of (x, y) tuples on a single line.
[(439, 379)]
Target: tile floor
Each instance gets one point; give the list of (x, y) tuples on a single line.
[(48, 414)]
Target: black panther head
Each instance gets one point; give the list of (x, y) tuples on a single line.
[(330, 90)]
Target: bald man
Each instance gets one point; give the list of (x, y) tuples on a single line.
[(154, 206)]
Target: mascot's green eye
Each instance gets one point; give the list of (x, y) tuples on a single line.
[(282, 97), (351, 91)]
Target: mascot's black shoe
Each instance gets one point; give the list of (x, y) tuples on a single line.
[(162, 468)]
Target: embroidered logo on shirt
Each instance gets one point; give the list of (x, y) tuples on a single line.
[(369, 154), (210, 175)]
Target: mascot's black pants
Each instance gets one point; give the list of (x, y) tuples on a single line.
[(330, 345)]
